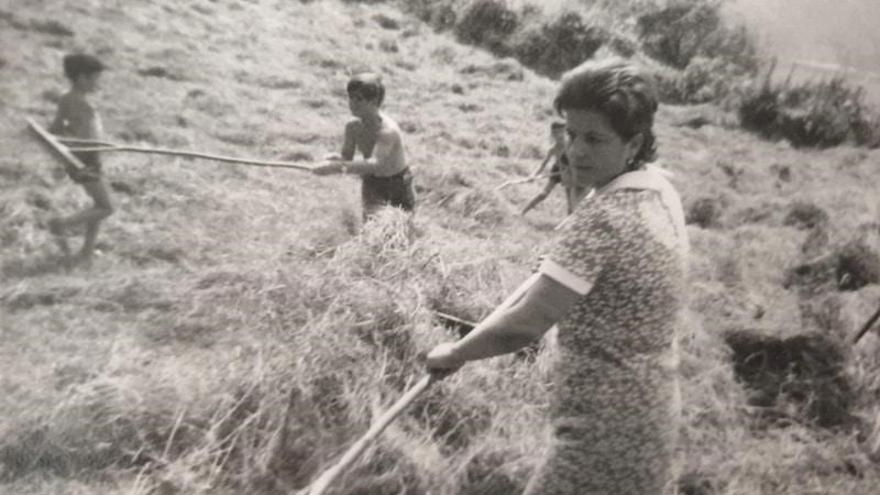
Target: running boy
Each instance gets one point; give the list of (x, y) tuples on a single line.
[(77, 118), (386, 179), (557, 170)]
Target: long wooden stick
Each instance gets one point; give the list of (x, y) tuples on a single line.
[(192, 154), (523, 181), (84, 142), (64, 152), (319, 486), (867, 326), (58, 150)]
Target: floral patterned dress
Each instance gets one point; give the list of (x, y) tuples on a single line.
[(614, 413)]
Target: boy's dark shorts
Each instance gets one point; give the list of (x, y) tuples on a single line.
[(92, 170), (555, 174), (395, 190)]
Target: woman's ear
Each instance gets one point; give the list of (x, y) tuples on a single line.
[(633, 146)]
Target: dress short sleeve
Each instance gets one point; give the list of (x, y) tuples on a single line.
[(579, 255)]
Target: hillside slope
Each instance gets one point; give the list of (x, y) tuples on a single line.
[(237, 331)]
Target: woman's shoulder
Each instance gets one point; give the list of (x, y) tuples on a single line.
[(612, 210)]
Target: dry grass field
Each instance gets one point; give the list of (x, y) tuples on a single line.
[(240, 330)]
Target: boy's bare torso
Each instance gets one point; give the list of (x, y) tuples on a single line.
[(384, 141), (77, 118)]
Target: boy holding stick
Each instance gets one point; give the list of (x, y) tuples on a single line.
[(386, 179), (77, 118)]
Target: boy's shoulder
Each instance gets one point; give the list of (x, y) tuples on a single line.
[(389, 125)]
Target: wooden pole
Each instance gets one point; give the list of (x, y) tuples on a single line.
[(192, 154), (84, 142), (65, 153), (58, 150), (867, 326), (523, 181), (320, 485)]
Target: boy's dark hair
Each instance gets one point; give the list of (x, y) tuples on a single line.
[(618, 90), (78, 64), (367, 85)]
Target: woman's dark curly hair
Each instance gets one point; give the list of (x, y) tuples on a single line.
[(619, 91)]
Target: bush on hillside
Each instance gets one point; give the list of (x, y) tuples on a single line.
[(441, 15), (559, 44), (806, 215), (487, 23), (798, 379), (705, 212), (818, 114), (849, 267), (812, 277), (686, 29), (859, 259), (704, 80), (709, 59)]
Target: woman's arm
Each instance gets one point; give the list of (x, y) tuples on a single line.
[(521, 320)]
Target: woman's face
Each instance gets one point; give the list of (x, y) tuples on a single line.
[(596, 153)]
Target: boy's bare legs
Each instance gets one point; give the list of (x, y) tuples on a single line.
[(56, 227), (534, 202), (90, 218)]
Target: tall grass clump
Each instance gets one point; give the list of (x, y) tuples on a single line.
[(818, 114)]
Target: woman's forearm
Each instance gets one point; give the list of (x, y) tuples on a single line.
[(520, 320), (491, 343), (504, 331)]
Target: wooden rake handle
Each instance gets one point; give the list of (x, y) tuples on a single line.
[(523, 181), (867, 326), (59, 145), (58, 150), (104, 147), (320, 485)]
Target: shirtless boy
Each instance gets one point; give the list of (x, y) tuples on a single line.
[(77, 118), (386, 179), (558, 171)]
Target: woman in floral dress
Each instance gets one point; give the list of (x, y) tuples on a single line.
[(613, 284)]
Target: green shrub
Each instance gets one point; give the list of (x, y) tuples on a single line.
[(805, 215), (686, 29), (487, 23), (559, 44), (810, 114), (703, 80), (705, 212), (441, 15), (859, 259)]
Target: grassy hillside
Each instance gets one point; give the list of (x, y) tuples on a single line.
[(240, 330)]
